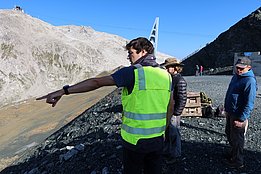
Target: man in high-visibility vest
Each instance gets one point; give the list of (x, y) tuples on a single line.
[(145, 99)]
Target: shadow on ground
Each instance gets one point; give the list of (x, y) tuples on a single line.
[(103, 153)]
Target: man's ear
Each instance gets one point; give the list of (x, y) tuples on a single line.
[(144, 52)]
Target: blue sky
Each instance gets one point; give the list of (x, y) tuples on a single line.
[(184, 25)]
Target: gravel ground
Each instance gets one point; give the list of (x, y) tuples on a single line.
[(91, 143)]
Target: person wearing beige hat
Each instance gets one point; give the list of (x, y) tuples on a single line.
[(172, 144)]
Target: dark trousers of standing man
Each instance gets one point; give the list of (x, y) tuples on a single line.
[(236, 138), (146, 158)]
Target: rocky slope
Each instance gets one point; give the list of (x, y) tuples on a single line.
[(36, 57), (244, 36), (91, 143)]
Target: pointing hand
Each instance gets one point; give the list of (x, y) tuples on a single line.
[(52, 98)]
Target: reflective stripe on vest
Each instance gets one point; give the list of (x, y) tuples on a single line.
[(142, 85), (142, 131), (135, 116)]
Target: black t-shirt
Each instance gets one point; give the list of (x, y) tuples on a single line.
[(124, 77)]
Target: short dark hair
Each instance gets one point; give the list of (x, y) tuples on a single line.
[(139, 44)]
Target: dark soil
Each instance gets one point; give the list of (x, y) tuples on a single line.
[(91, 143)]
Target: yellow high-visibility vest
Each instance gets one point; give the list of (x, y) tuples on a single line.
[(145, 109)]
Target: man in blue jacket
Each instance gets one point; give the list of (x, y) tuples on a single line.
[(239, 103)]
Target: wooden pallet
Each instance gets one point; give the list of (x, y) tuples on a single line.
[(193, 105)]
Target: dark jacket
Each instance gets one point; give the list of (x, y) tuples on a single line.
[(241, 95), (179, 86)]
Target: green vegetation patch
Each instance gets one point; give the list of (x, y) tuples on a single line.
[(8, 51)]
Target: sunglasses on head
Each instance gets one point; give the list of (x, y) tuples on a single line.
[(239, 68)]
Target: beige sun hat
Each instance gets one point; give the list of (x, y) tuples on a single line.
[(172, 61)]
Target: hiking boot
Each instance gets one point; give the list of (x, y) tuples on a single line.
[(228, 156), (234, 165), (174, 160)]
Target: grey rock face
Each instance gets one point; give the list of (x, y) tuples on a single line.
[(36, 57)]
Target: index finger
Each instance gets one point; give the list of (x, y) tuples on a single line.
[(43, 97)]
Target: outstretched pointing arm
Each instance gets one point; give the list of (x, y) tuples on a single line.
[(81, 87)]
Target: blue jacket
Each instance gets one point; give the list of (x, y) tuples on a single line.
[(241, 95)]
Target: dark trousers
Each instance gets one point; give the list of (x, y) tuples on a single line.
[(236, 138), (136, 162)]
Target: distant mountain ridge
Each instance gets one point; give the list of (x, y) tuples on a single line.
[(36, 57), (244, 36)]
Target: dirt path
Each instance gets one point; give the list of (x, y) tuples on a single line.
[(27, 124)]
